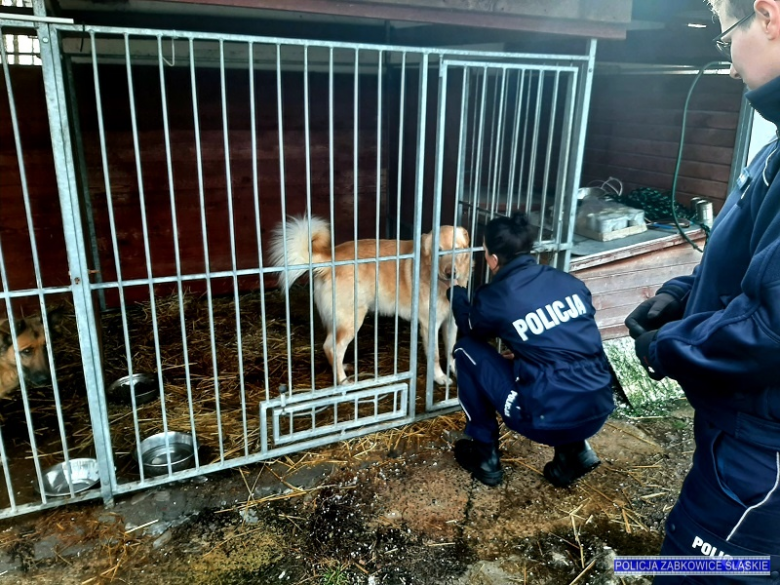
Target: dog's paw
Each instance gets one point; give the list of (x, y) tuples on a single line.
[(442, 379)]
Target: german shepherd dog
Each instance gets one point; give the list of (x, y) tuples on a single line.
[(347, 312), (31, 340)]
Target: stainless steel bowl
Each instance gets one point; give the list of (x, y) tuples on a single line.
[(156, 451), (83, 474), (144, 384)]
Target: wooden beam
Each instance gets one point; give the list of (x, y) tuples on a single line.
[(292, 28), (437, 35), (372, 9), (615, 11)]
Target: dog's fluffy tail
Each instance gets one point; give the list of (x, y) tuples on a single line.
[(296, 234)]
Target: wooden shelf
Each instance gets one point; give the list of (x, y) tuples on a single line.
[(587, 253)]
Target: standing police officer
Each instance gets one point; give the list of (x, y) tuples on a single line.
[(717, 332), (554, 384)]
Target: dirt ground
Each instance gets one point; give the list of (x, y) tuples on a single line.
[(391, 508)]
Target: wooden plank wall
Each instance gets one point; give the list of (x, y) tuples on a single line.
[(17, 250), (632, 140), (495, 161), (126, 188), (620, 283), (634, 133), (406, 174)]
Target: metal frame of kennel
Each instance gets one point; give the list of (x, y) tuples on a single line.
[(367, 405)]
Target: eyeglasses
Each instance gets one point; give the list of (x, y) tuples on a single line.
[(724, 47)]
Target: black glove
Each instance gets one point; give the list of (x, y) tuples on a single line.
[(653, 313), (642, 348)]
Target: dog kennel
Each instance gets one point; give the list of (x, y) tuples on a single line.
[(144, 171)]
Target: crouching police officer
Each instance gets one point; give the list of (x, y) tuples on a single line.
[(555, 386)]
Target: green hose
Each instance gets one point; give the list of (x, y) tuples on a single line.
[(657, 204), (673, 195)]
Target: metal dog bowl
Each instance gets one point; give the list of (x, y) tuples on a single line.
[(146, 389), (155, 454), (83, 475)]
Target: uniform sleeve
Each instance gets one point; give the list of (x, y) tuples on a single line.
[(679, 288), (740, 344), (473, 318)]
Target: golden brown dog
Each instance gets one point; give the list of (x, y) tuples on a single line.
[(31, 340), (347, 311)]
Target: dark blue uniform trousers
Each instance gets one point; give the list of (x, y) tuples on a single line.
[(486, 381), (729, 505)]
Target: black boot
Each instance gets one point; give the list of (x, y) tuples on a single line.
[(570, 463), (481, 459)]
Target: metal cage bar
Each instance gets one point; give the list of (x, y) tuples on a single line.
[(270, 164)]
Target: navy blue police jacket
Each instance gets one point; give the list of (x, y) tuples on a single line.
[(725, 350), (546, 318)]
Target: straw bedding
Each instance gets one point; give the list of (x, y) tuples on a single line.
[(217, 402)]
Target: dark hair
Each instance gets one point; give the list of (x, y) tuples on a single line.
[(509, 237)]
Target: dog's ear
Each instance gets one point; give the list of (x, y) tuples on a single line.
[(5, 331), (427, 242), (5, 335), (462, 237), (56, 318)]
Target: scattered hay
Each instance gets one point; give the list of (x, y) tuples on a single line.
[(233, 355)]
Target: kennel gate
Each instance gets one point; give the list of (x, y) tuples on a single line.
[(175, 155)]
